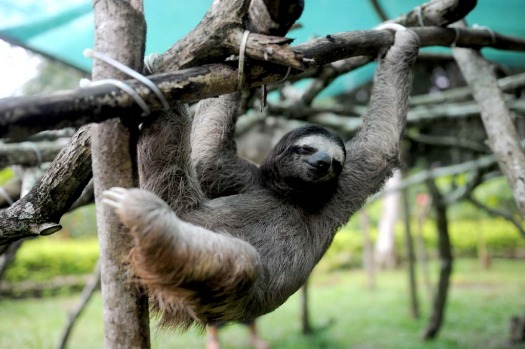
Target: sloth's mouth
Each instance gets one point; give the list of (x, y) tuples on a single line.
[(319, 175)]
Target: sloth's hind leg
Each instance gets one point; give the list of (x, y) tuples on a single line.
[(164, 159), (185, 267)]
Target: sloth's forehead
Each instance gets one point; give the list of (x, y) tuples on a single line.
[(323, 143)]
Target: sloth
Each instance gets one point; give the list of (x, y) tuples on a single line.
[(219, 239)]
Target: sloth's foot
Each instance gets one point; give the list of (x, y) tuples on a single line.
[(137, 209)]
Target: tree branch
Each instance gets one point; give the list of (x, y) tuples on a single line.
[(446, 141), (28, 154), (39, 212), (505, 84), (379, 10), (495, 114), (437, 13), (498, 213), (10, 192), (437, 316), (126, 315), (22, 116)]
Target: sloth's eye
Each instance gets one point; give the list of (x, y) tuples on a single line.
[(305, 150)]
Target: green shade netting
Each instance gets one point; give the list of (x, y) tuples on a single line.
[(62, 29)]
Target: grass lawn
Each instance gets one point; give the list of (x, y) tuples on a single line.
[(344, 312)]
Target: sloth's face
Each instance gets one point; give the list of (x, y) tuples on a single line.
[(313, 158), (306, 160)]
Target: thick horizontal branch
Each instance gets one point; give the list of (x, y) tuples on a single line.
[(498, 213), (446, 141), (434, 13), (421, 177), (502, 134), (28, 153), (220, 33), (39, 212), (505, 84), (22, 116), (437, 13), (416, 116)]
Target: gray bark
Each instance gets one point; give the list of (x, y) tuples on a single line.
[(410, 253), (28, 154), (384, 252), (94, 104), (437, 13), (502, 135), (39, 212), (120, 33), (437, 315), (306, 326)]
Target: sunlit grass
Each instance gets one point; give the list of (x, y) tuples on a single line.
[(344, 312)]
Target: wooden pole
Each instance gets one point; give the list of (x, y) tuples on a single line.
[(120, 33)]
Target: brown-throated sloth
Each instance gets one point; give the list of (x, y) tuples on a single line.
[(219, 239)]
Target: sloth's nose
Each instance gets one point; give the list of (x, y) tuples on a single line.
[(320, 160)]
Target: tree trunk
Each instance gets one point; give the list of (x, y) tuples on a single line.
[(501, 132), (412, 284), (306, 327), (368, 251), (446, 260), (120, 33), (385, 253), (424, 204)]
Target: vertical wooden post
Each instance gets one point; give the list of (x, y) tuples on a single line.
[(120, 33), (305, 314), (502, 134), (437, 315), (409, 241)]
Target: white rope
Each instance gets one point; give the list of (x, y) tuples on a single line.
[(420, 16), (456, 38), (285, 76), (124, 87), (242, 51), (390, 26), (148, 62), (127, 70)]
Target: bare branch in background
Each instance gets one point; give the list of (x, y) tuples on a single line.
[(94, 104), (502, 135)]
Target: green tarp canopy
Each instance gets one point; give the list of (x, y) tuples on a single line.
[(63, 29)]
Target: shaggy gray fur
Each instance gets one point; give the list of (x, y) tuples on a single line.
[(223, 240)]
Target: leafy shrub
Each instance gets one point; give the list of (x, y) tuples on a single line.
[(500, 237), (345, 252), (43, 259), (497, 236)]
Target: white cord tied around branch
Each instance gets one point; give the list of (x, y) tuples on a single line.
[(242, 57), (288, 71), (419, 11), (488, 29), (456, 37), (122, 85), (390, 26), (241, 77), (148, 62)]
